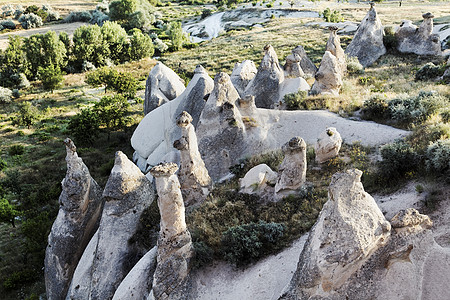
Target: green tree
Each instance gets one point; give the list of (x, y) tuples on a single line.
[(141, 45), (7, 212), (12, 62), (102, 76), (117, 40), (176, 35), (51, 77), (112, 111), (85, 126), (26, 115), (88, 45), (124, 83), (122, 9)]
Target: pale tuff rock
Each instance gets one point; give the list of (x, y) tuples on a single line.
[(411, 218), (174, 243), (77, 220), (292, 67), (308, 67), (292, 171), (265, 85), (334, 46), (163, 85), (328, 145), (127, 193), (420, 40), (220, 131), (367, 44), (242, 74), (194, 178), (257, 179), (328, 78), (155, 134)]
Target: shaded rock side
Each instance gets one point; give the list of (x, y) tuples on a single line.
[(242, 74), (162, 86), (328, 77), (257, 179), (264, 86), (420, 41), (328, 145), (292, 171), (78, 218), (175, 249), (292, 67), (367, 44), (220, 131), (334, 46), (308, 67), (194, 177)]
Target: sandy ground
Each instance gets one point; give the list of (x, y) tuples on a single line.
[(64, 27)]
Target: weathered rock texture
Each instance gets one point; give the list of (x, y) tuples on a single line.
[(367, 44), (163, 85), (220, 131), (329, 76), (334, 46), (194, 177), (292, 171), (174, 243), (328, 145), (77, 220), (292, 67), (308, 67), (265, 85), (242, 74), (127, 193), (154, 136), (257, 179), (421, 41)]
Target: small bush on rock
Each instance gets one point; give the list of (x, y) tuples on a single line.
[(30, 21)]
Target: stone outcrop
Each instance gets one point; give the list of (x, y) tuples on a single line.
[(308, 67), (162, 86), (242, 74), (328, 77), (420, 41), (292, 67), (174, 243), (78, 218), (220, 131), (367, 44), (127, 194), (257, 179), (155, 134), (292, 171), (265, 85), (334, 46), (194, 177), (328, 145)]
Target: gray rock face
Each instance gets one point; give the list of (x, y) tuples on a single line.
[(194, 177), (77, 220), (220, 131), (174, 243), (264, 86), (420, 40), (127, 193), (328, 145), (308, 67), (292, 67), (162, 86), (334, 46), (328, 78), (367, 44), (242, 74)]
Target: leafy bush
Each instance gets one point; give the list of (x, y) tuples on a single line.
[(296, 100), (399, 160), (18, 278), (88, 45), (121, 9), (32, 9), (354, 66), (244, 243), (429, 72), (376, 108), (141, 19), (176, 35), (7, 211), (85, 126), (16, 150), (160, 46), (12, 62), (140, 46), (27, 114), (3, 164), (30, 21), (112, 111), (116, 38), (438, 157), (333, 16), (99, 17), (52, 15), (389, 39), (78, 16), (5, 95), (203, 254), (445, 115), (51, 77), (8, 24)]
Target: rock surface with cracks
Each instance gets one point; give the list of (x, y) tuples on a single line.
[(242, 74), (328, 145), (328, 77), (308, 67), (334, 46)]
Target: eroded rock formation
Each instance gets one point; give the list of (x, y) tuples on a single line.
[(308, 67), (78, 217), (367, 44), (257, 179), (242, 74), (174, 243), (162, 86), (265, 85), (292, 67), (292, 171), (334, 46), (328, 77), (420, 41), (194, 177), (328, 145)]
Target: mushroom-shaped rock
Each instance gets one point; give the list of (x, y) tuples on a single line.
[(242, 74), (334, 46), (257, 179), (328, 77), (265, 85), (292, 171), (367, 44), (308, 67), (77, 220), (328, 145), (420, 41), (194, 177), (174, 243), (163, 85), (292, 67)]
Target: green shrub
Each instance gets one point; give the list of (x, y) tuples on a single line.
[(3, 164), (140, 45), (445, 115), (88, 45), (272, 158), (13, 61), (399, 161), (354, 66), (18, 278), (203, 254), (176, 35), (27, 115), (112, 111), (121, 9), (16, 150), (376, 108), (333, 16), (78, 16), (9, 24), (85, 126), (429, 72), (389, 39), (7, 212), (30, 21), (116, 39), (438, 157), (99, 18), (51, 77), (206, 13), (5, 95), (296, 100)]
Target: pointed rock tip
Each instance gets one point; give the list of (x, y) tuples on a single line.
[(184, 119), (333, 28), (222, 78), (164, 169), (70, 146), (428, 15), (353, 174), (200, 70)]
